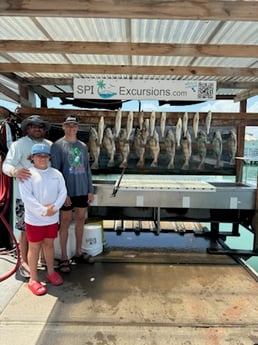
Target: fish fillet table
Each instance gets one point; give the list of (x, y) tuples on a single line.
[(166, 184), (166, 193)]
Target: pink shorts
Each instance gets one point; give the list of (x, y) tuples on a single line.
[(39, 233)]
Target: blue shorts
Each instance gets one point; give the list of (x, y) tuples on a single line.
[(80, 201)]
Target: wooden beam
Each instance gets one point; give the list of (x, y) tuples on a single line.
[(13, 95), (245, 95), (123, 69), (91, 117), (237, 85), (16, 79), (49, 81), (41, 91), (9, 93), (37, 88), (69, 81), (124, 48), (62, 94), (151, 9)]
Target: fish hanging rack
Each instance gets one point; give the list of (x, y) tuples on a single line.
[(150, 143), (223, 122)]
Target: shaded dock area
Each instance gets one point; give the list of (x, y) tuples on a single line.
[(136, 296)]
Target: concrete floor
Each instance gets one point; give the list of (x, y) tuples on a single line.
[(139, 298)]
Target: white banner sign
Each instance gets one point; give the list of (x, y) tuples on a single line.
[(174, 90)]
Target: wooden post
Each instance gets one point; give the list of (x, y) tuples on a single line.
[(240, 143), (240, 152), (43, 102)]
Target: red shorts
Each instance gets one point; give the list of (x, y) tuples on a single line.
[(39, 233)]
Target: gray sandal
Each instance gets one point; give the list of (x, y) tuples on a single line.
[(64, 266)]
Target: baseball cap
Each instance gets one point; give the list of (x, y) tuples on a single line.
[(40, 149), (32, 120), (71, 119)]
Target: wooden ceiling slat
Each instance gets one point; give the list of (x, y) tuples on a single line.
[(91, 117), (123, 69), (160, 9), (124, 48), (69, 82), (222, 11)]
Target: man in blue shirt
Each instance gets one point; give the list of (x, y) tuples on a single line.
[(70, 156)]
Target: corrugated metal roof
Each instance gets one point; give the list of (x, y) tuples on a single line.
[(144, 31)]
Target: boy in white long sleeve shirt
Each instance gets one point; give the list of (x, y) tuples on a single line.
[(43, 195)]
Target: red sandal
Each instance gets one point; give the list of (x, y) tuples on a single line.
[(55, 279), (37, 288)]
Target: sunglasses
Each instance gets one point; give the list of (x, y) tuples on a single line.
[(34, 126)]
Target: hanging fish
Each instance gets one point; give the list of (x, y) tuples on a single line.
[(186, 143), (118, 122), (139, 143), (195, 124), (152, 122), (178, 131), (163, 124), (170, 145), (129, 124), (232, 146), (101, 129), (124, 147), (141, 119), (185, 123), (208, 122), (94, 148), (146, 126), (109, 145), (154, 148), (202, 147), (217, 147)]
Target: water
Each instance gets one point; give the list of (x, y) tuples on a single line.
[(250, 171), (245, 241)]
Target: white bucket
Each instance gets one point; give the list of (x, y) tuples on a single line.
[(71, 244), (92, 239)]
